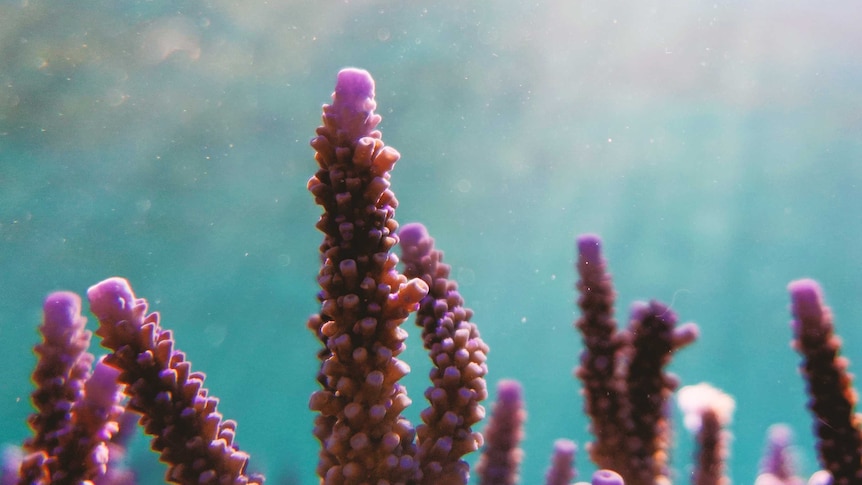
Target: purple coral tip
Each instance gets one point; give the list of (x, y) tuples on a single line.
[(641, 310), (509, 391), (62, 313), (590, 248), (607, 477), (112, 296), (412, 234), (354, 83), (564, 446), (780, 435), (806, 297)]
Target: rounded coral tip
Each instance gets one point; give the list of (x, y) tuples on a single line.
[(62, 315), (112, 297), (412, 234), (509, 391), (607, 477), (806, 298), (564, 446), (354, 83), (590, 248)]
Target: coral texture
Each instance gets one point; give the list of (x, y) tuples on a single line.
[(62, 369), (458, 357), (364, 299), (829, 384), (502, 456), (188, 431)]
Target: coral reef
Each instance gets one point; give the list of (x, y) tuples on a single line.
[(82, 410)]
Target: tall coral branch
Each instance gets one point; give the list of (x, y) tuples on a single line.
[(833, 399), (604, 390), (625, 386), (188, 430), (63, 367), (363, 298), (501, 458), (777, 464), (458, 356), (562, 471), (654, 337), (707, 411)]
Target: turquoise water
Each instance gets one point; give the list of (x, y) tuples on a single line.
[(716, 147)]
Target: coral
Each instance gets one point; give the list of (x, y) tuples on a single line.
[(83, 413), (561, 471), (833, 398), (188, 431), (625, 387), (502, 455), (458, 357)]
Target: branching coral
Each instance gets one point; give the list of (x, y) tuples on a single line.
[(364, 299)]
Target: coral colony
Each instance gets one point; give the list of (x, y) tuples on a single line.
[(83, 411)]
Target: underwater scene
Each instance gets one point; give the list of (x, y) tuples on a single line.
[(715, 147)]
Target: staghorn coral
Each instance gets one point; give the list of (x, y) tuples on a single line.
[(707, 412), (502, 455), (561, 471), (625, 386), (833, 398), (458, 357), (188, 431), (364, 300), (61, 371)]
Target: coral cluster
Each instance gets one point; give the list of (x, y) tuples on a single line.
[(77, 425), (364, 300), (83, 411)]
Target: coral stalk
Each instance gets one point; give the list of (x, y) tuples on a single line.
[(63, 367), (458, 357), (188, 431), (603, 380), (626, 388), (833, 399), (776, 466), (707, 412), (502, 454), (562, 471), (654, 337), (363, 298)]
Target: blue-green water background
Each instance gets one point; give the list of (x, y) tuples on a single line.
[(715, 146)]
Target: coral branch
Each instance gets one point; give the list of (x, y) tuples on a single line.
[(189, 432), (707, 412), (562, 471), (502, 454), (458, 356), (625, 386), (363, 298), (604, 390), (607, 477), (63, 366), (653, 338), (829, 384), (777, 464)]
